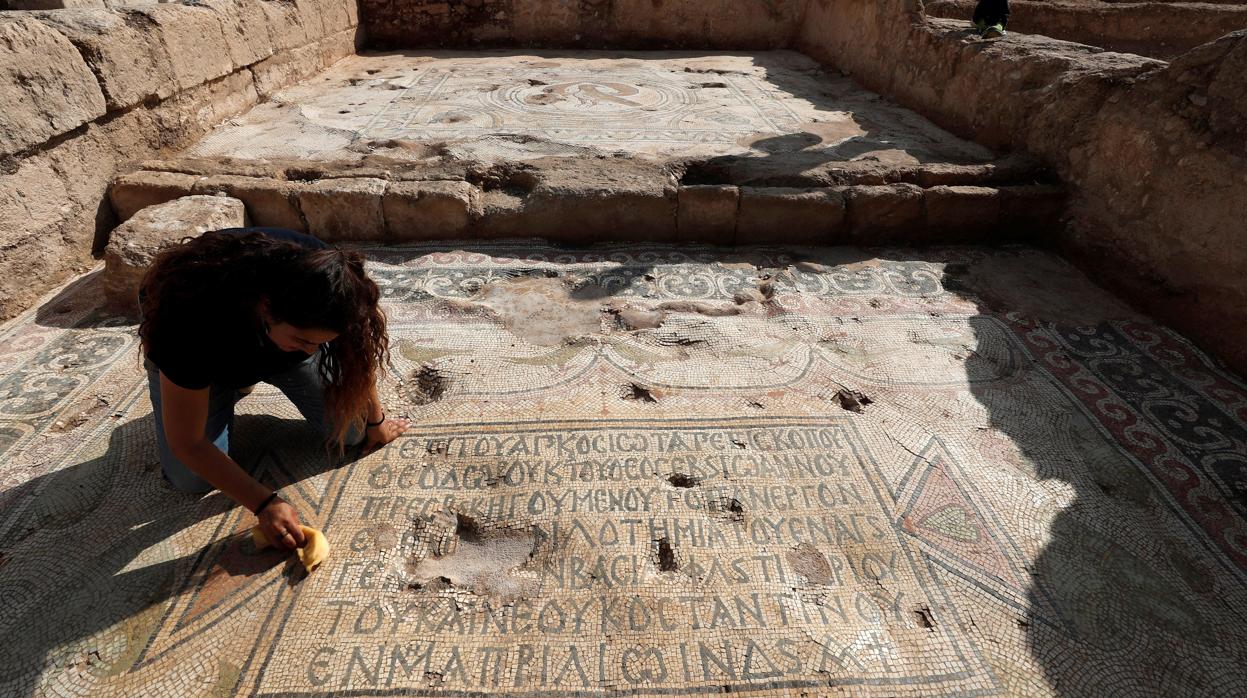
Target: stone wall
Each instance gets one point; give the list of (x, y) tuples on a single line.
[(1154, 153), (86, 92), (1158, 29), (632, 24)]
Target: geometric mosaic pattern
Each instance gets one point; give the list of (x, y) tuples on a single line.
[(886, 474)]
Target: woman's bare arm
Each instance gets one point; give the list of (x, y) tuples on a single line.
[(390, 429), (185, 414)]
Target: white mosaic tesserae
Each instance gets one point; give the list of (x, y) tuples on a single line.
[(654, 470)]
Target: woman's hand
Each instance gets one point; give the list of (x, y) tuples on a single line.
[(385, 432), (280, 523)]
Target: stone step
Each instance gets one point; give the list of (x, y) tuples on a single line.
[(627, 200)]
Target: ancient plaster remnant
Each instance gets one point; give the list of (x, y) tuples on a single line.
[(540, 310), (699, 308), (481, 559), (638, 319), (809, 562)]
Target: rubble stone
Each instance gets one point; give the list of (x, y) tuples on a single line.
[(135, 243)]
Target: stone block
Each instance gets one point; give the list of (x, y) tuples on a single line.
[(50, 215), (344, 209), (286, 68), (134, 191), (335, 47), (127, 57), (34, 265), (580, 214), (937, 173), (787, 215), (31, 198), (581, 200), (186, 116), (269, 202), (500, 214), (46, 89), (134, 244), (643, 214), (87, 163), (960, 213), (310, 15), (336, 15), (427, 210), (885, 213), (53, 4), (286, 28), (244, 25), (193, 40), (707, 213)]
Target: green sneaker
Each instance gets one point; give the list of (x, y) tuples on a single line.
[(995, 31), (980, 25)]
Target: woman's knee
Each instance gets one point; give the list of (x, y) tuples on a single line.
[(177, 473), (183, 478)]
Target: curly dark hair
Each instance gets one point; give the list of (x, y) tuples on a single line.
[(307, 288)]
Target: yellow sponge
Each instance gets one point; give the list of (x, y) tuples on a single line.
[(313, 552)]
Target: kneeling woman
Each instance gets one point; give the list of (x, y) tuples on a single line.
[(231, 308)]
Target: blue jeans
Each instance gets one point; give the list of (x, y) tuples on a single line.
[(302, 385)]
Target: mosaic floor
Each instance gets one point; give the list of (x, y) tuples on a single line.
[(657, 471), (508, 105)]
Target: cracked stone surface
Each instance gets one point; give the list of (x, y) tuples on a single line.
[(770, 471), (508, 105)]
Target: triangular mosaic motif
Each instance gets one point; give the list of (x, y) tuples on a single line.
[(942, 512), (230, 573)]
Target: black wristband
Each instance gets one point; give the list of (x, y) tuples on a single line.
[(369, 425), (266, 502)]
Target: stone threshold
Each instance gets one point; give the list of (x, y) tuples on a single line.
[(727, 200)]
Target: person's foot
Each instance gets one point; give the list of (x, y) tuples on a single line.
[(995, 31), (980, 26)]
